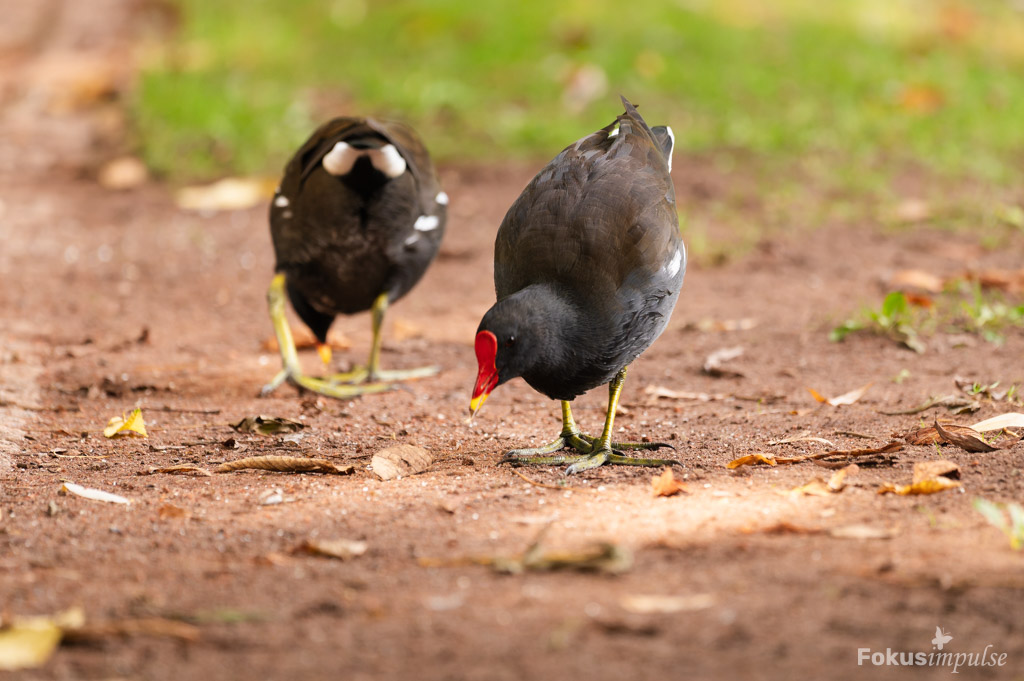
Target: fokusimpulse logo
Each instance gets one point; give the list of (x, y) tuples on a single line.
[(936, 658)]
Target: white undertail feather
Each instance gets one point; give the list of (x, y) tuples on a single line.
[(339, 160), (675, 264), (387, 160)]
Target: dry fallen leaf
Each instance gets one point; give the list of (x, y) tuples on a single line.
[(133, 424), (172, 511), (267, 425), (180, 469), (284, 464), (814, 488), (665, 485), (803, 437), (304, 339), (342, 549), (706, 325), (713, 364), (929, 486), (858, 531), (126, 172), (93, 494), (400, 460), (656, 391), (967, 439), (156, 627), (1011, 420), (651, 604), (916, 279), (751, 459), (925, 470), (837, 482), (931, 436), (841, 400), (29, 642), (231, 193)]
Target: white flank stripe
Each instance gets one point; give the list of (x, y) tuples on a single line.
[(677, 261), (441, 198), (426, 223), (672, 137), (281, 201), (412, 239)]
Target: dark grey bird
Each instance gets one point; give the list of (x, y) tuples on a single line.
[(356, 221), (588, 265)]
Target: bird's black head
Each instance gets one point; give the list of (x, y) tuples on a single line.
[(518, 334)]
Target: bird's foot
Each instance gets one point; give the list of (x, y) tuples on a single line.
[(603, 456), (322, 386), (361, 374), (586, 452)]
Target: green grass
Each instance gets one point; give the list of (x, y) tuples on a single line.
[(863, 86)]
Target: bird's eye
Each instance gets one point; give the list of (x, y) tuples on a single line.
[(510, 342)]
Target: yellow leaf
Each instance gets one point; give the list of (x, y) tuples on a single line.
[(126, 425), (841, 400), (929, 486), (665, 485), (815, 488), (751, 459), (28, 646)]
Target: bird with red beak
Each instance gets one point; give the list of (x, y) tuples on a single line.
[(588, 265)]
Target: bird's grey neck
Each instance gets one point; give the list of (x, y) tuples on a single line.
[(558, 322)]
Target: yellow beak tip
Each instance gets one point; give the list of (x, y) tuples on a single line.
[(324, 351), (476, 403)]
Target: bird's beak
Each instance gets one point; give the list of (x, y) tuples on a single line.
[(324, 350), (487, 375)]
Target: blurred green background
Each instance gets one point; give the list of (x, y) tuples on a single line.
[(851, 91)]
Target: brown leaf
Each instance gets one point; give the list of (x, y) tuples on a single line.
[(665, 485), (929, 486), (230, 193), (304, 339), (342, 549), (844, 399), (917, 279), (126, 172), (967, 439), (284, 464), (708, 325), (172, 511), (267, 425), (814, 488), (928, 435), (924, 470), (180, 469), (751, 459), (157, 627), (858, 531), (657, 391), (837, 482), (713, 364), (663, 604), (400, 460)]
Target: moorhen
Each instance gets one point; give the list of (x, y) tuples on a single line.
[(588, 264), (356, 221)]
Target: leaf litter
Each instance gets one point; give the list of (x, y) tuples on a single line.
[(829, 456), (841, 400), (930, 477), (267, 425), (400, 461), (132, 424), (665, 485), (284, 464), (342, 549), (92, 494)]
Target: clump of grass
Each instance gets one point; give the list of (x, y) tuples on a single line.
[(985, 314), (1007, 518), (895, 319)]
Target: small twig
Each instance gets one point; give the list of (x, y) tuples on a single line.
[(547, 486), (852, 433), (182, 410)]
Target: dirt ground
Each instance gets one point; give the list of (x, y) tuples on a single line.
[(115, 300)]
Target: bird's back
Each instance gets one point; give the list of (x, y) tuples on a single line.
[(343, 239)]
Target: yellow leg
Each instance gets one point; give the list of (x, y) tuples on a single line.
[(590, 452), (372, 370), (291, 371)]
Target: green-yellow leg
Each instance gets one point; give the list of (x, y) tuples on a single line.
[(372, 370), (291, 371), (590, 452)]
